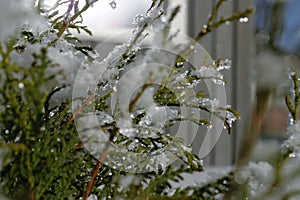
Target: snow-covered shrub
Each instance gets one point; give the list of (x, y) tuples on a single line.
[(48, 90)]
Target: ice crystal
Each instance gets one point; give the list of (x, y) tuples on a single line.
[(200, 179), (257, 176), (92, 197), (12, 17), (292, 144), (138, 19), (230, 118), (224, 65)]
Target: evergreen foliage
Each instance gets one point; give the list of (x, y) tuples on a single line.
[(43, 156)]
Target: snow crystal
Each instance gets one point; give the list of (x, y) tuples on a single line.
[(138, 19), (224, 64), (258, 176), (200, 179), (155, 118), (14, 14), (209, 73), (68, 62), (230, 118), (25, 58), (292, 144), (92, 197)]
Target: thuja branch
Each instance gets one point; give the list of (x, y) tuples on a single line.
[(211, 25), (88, 3), (154, 3), (294, 109), (214, 13)]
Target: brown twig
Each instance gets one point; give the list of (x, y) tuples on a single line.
[(88, 100), (102, 157), (96, 170), (138, 96)]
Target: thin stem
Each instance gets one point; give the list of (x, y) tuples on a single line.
[(234, 17), (96, 170), (294, 109), (211, 25), (214, 13), (297, 95), (86, 102), (66, 24), (138, 96), (99, 163)]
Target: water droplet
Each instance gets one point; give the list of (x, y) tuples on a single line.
[(21, 85), (179, 64), (52, 114), (201, 162), (43, 128), (290, 120), (244, 19), (292, 155), (17, 139), (109, 174), (113, 4)]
